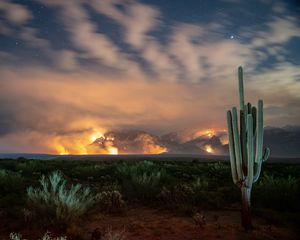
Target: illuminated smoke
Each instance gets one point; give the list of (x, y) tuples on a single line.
[(149, 146), (208, 149)]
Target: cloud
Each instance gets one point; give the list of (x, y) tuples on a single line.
[(140, 81), (60, 105), (12, 15), (85, 37), (138, 20), (278, 31), (15, 13)]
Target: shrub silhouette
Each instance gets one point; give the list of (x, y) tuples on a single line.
[(111, 201), (141, 180), (57, 203)]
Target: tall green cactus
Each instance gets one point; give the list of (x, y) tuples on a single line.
[(246, 148)]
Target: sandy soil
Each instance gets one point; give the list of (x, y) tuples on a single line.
[(146, 224), (150, 224)]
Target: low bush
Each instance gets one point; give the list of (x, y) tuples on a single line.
[(110, 201), (219, 171), (92, 171), (10, 181), (47, 236), (281, 193), (142, 180), (114, 235), (12, 191), (56, 202), (179, 194)]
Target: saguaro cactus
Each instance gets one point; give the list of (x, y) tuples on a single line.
[(246, 148)]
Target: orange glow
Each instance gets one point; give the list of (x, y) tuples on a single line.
[(81, 144), (112, 150), (208, 149), (61, 150), (209, 132), (95, 135), (224, 139), (205, 132)]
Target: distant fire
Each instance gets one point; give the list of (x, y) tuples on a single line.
[(95, 135), (205, 132), (101, 141), (81, 144), (113, 150), (61, 150), (208, 149)]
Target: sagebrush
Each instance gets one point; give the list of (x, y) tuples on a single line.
[(58, 202)]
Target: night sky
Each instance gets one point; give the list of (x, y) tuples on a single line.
[(73, 69)]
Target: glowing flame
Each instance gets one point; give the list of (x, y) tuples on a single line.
[(95, 135), (61, 150), (112, 150), (82, 144), (208, 149), (209, 133), (204, 132)]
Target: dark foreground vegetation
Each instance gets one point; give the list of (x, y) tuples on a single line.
[(63, 196)]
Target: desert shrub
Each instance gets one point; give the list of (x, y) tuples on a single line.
[(15, 236), (57, 203), (179, 194), (207, 196), (114, 235), (29, 166), (179, 199), (10, 181), (183, 172), (231, 194), (111, 201), (12, 189), (219, 171), (94, 171), (142, 180), (280, 193), (136, 169), (200, 184), (108, 186), (47, 236)]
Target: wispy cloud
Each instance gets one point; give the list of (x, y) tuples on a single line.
[(14, 13), (158, 75)]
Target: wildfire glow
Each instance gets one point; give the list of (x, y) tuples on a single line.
[(83, 144), (61, 150), (205, 132), (97, 134), (112, 150), (208, 149)]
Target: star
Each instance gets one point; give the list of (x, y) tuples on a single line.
[(231, 37)]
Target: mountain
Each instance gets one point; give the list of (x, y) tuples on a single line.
[(131, 141), (283, 142)]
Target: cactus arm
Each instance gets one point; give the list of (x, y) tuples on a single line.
[(243, 138), (237, 145), (253, 112), (231, 148), (245, 113), (241, 87), (258, 165), (257, 171), (259, 133), (250, 156), (266, 154)]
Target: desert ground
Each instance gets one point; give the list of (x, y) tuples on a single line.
[(137, 199)]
